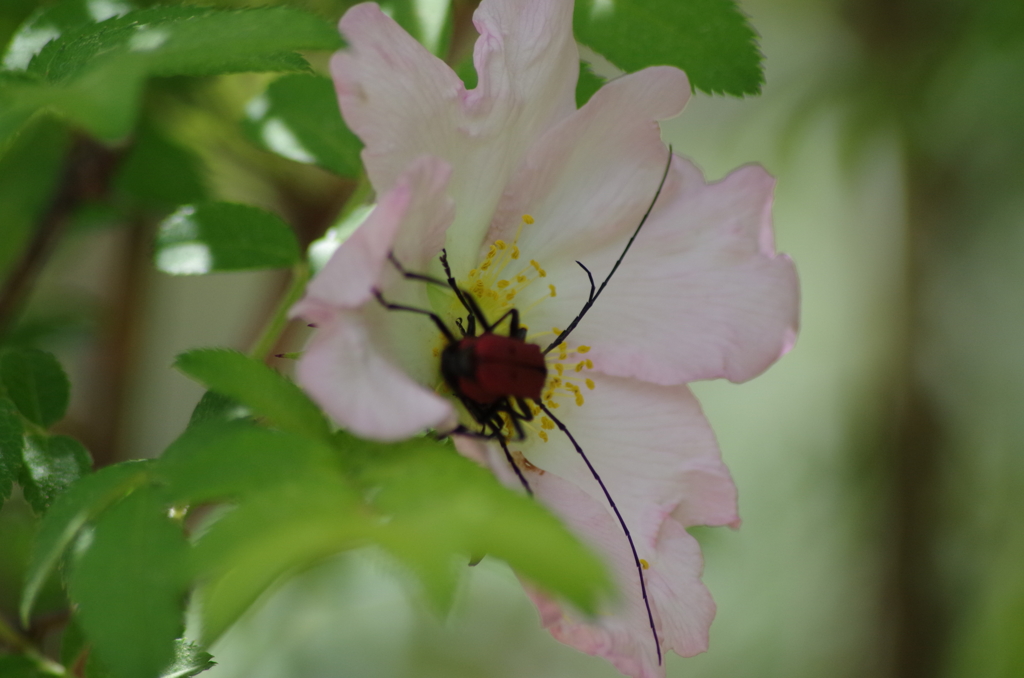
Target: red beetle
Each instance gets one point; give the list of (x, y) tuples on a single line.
[(490, 367)]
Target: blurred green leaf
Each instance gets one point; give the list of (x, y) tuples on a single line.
[(215, 406), (20, 666), (128, 582), (230, 461), (51, 465), (709, 39), (93, 74), (298, 117), (50, 22), (220, 236), (280, 530), (440, 504), (12, 441), (159, 173), (29, 172), (36, 383), (588, 83), (189, 660), (82, 502), (250, 382)]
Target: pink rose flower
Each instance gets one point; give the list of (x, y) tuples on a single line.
[(517, 185)]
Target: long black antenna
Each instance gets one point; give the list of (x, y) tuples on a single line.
[(629, 537), (593, 297)]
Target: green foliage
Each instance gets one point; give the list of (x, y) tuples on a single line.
[(588, 83), (128, 581), (71, 511), (36, 383), (29, 172), (258, 387), (159, 173), (709, 39), (51, 465), (441, 504), (189, 660), (216, 407), (219, 236), (20, 666), (298, 117), (12, 442), (93, 73)]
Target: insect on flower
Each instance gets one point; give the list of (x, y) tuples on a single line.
[(494, 375)]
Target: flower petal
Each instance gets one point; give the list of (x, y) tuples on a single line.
[(652, 447), (703, 271), (681, 606), (591, 177), (347, 373), (404, 102), (410, 220)]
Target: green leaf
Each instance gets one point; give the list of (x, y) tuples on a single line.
[(81, 503), (93, 74), (20, 666), (29, 173), (588, 83), (12, 442), (220, 236), (298, 117), (128, 583), (214, 406), (190, 41), (230, 461), (709, 39), (49, 23), (160, 173), (36, 383), (189, 660), (439, 504), (281, 530), (52, 464), (264, 391)]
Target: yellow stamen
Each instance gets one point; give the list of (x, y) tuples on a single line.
[(547, 423), (552, 288), (540, 271), (556, 331), (590, 384), (515, 251), (559, 367), (500, 244), (582, 349), (527, 219), (590, 364), (502, 284), (543, 435), (580, 365), (644, 564), (579, 399)]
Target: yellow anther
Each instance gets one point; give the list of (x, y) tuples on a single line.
[(572, 387), (552, 288), (478, 288), (556, 331), (590, 384), (502, 284), (511, 295), (520, 278), (527, 219), (500, 244), (540, 271), (582, 349), (579, 399), (515, 251), (644, 564), (492, 251), (543, 435), (487, 264), (580, 365), (547, 423), (559, 367), (473, 273), (556, 382), (590, 364)]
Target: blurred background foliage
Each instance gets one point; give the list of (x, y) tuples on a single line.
[(880, 464)]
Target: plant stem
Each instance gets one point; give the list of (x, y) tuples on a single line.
[(13, 639), (272, 332)]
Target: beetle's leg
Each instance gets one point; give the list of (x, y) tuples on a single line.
[(475, 312), (525, 413), (459, 292), (433, 316), (513, 325), (409, 275)]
